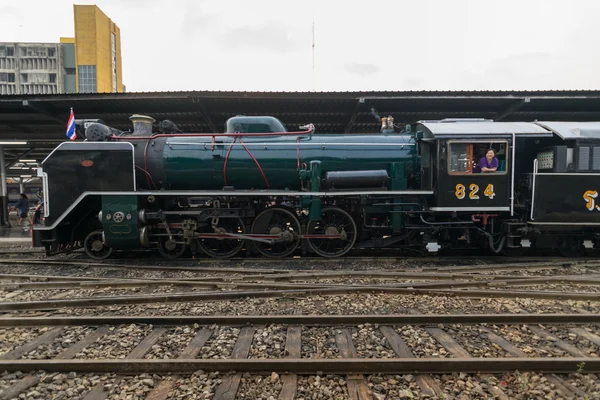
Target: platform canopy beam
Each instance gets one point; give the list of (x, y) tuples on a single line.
[(20, 157), (511, 109), (44, 111)]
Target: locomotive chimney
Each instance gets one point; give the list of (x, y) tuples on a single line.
[(387, 124), (142, 124)]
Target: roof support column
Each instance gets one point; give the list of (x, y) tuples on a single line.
[(3, 192)]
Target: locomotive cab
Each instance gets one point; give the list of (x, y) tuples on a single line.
[(473, 174), (471, 163), (470, 166)]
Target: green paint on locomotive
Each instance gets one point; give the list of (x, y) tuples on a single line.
[(198, 163), (120, 221), (398, 183)]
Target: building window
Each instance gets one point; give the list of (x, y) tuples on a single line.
[(113, 40), (51, 52), (7, 51), (52, 78), (7, 77), (24, 78), (87, 78)]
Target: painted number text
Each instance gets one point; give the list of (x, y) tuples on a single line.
[(461, 191)]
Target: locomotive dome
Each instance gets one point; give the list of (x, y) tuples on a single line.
[(253, 124)]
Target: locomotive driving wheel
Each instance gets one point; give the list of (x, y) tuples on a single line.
[(277, 221), (222, 247), (335, 221), (95, 247)]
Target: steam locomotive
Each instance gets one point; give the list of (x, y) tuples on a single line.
[(258, 189)]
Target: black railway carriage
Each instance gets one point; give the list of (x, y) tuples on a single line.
[(257, 189)]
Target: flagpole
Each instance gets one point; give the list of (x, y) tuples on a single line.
[(71, 125)]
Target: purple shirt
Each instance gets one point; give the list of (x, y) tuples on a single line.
[(483, 163)]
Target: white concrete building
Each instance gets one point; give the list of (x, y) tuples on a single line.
[(31, 68)]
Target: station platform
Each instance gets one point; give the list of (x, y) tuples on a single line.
[(15, 235)]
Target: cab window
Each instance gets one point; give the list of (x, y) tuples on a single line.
[(477, 158)]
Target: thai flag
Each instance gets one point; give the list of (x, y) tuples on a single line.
[(71, 127)]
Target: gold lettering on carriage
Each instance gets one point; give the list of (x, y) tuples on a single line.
[(590, 200)]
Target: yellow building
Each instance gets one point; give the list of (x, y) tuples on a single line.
[(92, 60)]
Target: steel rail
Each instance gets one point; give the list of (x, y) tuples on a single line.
[(436, 271), (287, 276), (88, 264), (90, 302), (52, 277), (484, 267), (417, 273), (31, 251), (296, 275), (496, 260), (374, 274), (232, 284), (388, 275), (329, 320), (57, 282), (305, 366)]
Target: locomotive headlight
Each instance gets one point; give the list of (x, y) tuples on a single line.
[(100, 216)]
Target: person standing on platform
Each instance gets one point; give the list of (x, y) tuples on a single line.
[(23, 209)]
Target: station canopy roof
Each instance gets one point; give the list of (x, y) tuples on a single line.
[(35, 124)]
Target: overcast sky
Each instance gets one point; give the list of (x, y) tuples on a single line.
[(360, 45)]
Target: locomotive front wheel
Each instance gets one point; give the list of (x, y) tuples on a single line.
[(277, 221), (170, 249), (224, 248), (95, 247), (335, 221)]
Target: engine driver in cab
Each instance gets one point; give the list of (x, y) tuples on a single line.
[(489, 163)]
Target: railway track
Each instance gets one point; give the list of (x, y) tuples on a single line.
[(477, 265), (357, 255), (284, 347), (80, 330), (33, 292)]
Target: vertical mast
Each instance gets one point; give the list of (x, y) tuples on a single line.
[(313, 54)]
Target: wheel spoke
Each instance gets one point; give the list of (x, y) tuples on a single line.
[(94, 246), (278, 220), (173, 253), (224, 248), (336, 220)]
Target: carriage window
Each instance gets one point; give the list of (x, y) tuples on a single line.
[(477, 158)]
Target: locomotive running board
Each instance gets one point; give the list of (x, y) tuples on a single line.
[(254, 193)]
